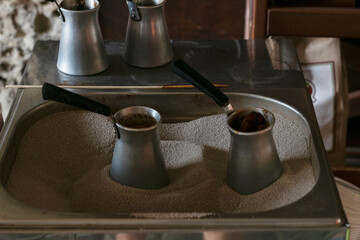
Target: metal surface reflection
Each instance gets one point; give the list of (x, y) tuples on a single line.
[(242, 63)]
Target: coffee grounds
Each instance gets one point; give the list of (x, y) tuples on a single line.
[(63, 165), (252, 122)]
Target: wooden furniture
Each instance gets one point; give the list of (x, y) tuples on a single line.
[(293, 19), (312, 19)]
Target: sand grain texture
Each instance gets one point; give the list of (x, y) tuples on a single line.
[(64, 159)]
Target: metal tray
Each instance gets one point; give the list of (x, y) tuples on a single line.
[(319, 210)]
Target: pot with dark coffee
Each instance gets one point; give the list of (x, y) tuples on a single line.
[(137, 158), (253, 162)]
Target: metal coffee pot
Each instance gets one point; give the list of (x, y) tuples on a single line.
[(137, 158), (253, 162), (147, 42), (82, 50)]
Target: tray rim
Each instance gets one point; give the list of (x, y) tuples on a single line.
[(34, 218)]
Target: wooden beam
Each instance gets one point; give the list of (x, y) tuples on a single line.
[(314, 21), (255, 19)]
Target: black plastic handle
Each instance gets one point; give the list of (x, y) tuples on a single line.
[(54, 93), (195, 78)]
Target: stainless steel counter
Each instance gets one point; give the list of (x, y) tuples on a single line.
[(269, 69), (242, 64)]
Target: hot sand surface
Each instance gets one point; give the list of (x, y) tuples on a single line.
[(63, 164)]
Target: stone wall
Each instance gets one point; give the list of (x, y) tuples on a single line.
[(22, 22)]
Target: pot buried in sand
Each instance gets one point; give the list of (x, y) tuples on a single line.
[(253, 159), (137, 158), (253, 162)]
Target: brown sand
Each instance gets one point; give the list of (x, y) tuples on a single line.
[(63, 165)]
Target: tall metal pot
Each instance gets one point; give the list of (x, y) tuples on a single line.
[(82, 50), (147, 42)]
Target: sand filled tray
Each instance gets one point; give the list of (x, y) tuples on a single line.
[(56, 158), (67, 157)]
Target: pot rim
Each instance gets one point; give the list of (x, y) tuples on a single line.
[(138, 110), (80, 11), (268, 115)]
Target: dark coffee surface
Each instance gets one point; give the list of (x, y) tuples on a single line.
[(252, 122), (137, 121)]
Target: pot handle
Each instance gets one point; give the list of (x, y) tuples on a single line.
[(59, 9), (54, 93), (133, 11), (200, 82)]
